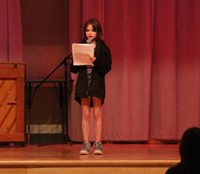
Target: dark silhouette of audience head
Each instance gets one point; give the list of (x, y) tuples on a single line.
[(190, 146), (189, 150)]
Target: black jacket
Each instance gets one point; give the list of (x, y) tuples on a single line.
[(102, 65)]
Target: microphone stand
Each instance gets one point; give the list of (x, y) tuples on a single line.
[(64, 100), (61, 63)]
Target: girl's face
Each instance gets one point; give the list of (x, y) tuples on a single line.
[(90, 33)]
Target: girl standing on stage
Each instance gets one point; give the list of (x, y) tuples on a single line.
[(90, 85)]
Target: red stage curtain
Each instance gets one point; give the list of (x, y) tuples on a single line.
[(153, 89), (10, 31)]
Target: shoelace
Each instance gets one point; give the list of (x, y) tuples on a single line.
[(97, 145), (86, 145)]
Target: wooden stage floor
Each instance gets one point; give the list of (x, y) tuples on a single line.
[(65, 158)]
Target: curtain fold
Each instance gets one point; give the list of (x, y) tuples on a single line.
[(10, 31), (188, 64), (163, 102)]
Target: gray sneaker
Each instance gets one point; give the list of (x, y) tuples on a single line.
[(86, 149), (98, 149)]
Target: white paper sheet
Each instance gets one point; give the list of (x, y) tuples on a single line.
[(81, 54)]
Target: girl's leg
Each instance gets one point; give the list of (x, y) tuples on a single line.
[(98, 150), (97, 117), (85, 106)]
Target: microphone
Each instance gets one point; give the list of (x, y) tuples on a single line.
[(88, 41)]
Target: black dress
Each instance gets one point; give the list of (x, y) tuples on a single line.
[(102, 65)]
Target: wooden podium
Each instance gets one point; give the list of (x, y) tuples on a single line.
[(12, 80)]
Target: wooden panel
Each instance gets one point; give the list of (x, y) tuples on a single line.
[(13, 170), (11, 70), (8, 106), (11, 102), (98, 170)]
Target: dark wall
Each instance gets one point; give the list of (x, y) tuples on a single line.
[(45, 44)]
